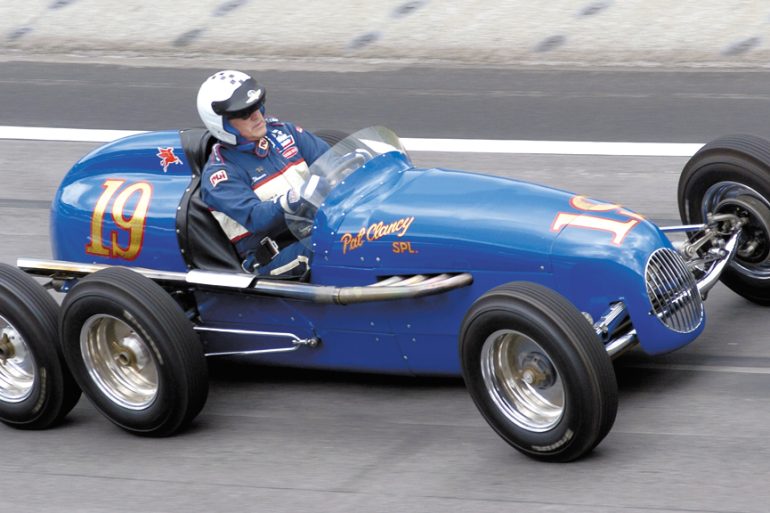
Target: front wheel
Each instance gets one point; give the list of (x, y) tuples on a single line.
[(537, 372), (732, 175), (134, 352)]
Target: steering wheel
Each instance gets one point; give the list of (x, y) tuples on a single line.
[(349, 161), (301, 221)]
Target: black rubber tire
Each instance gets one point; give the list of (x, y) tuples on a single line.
[(578, 357), (744, 159), (161, 324), (26, 305)]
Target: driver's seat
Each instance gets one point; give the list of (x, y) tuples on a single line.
[(204, 245)]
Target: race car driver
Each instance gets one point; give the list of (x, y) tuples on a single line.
[(255, 173)]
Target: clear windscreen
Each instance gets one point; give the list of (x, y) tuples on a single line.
[(331, 169)]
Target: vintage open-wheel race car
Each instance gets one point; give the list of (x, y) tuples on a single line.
[(526, 291)]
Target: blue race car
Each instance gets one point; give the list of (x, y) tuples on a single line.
[(529, 302)]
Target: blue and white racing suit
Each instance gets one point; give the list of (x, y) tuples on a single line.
[(245, 186)]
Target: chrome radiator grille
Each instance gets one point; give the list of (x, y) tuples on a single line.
[(673, 292)]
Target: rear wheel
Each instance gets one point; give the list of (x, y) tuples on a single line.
[(134, 352), (537, 372), (732, 175), (36, 388)]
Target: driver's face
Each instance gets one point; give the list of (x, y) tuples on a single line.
[(252, 128)]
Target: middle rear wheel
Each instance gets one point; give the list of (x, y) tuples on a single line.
[(133, 352)]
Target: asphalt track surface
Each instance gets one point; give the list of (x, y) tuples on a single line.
[(692, 427)]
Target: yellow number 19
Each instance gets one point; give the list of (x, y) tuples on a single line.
[(133, 224)]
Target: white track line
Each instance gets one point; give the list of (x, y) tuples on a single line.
[(626, 149)]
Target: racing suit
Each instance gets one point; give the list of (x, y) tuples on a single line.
[(246, 187)]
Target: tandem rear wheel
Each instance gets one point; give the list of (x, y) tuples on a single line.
[(133, 352), (36, 388)]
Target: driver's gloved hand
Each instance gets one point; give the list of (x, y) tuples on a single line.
[(290, 201)]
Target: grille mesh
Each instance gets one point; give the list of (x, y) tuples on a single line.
[(673, 292)]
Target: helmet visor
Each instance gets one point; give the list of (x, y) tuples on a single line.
[(246, 99), (243, 113)]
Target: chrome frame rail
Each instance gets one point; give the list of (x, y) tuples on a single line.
[(683, 228), (712, 275), (296, 341), (393, 288)]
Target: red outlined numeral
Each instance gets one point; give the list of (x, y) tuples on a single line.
[(133, 224), (618, 229)]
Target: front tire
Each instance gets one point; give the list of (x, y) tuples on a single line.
[(537, 372), (134, 352), (36, 388), (732, 174)]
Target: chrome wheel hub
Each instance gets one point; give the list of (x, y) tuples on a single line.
[(522, 381), (753, 255), (17, 365), (119, 362)]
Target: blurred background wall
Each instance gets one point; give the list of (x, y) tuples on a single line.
[(719, 33)]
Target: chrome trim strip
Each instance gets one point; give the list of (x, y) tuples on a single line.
[(386, 290), (66, 270)]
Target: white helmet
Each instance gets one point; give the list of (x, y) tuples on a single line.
[(228, 93)]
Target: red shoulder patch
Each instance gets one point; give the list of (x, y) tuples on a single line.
[(219, 176)]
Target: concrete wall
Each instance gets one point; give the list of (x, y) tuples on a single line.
[(724, 33)]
